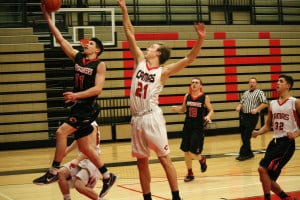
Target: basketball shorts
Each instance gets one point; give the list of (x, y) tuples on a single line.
[(149, 132), (82, 114), (85, 171), (278, 153), (192, 139)]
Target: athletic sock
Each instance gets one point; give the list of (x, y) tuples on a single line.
[(55, 164), (190, 172), (147, 196), (103, 170), (175, 195), (267, 196), (53, 170), (67, 197)]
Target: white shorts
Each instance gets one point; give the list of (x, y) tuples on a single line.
[(86, 171), (149, 131)]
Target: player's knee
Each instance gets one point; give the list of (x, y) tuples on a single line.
[(63, 174), (60, 134), (142, 163), (165, 161), (261, 170)]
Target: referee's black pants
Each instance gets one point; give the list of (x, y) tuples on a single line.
[(247, 125)]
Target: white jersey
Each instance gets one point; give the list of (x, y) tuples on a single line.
[(284, 117), (92, 174), (148, 124), (145, 88), (86, 171)]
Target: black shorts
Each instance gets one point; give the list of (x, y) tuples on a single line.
[(192, 139), (81, 116), (278, 153)]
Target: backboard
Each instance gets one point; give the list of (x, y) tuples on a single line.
[(78, 21)]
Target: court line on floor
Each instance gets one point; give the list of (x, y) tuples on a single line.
[(134, 190), (128, 163), (5, 197)]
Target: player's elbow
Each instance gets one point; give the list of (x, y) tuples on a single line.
[(98, 91)]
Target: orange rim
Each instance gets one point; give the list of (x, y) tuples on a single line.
[(84, 42)]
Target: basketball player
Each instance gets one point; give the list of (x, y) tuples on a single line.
[(81, 173), (89, 77), (195, 105), (148, 124), (283, 117)]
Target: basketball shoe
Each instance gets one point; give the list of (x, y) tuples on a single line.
[(47, 178), (107, 184), (203, 164), (189, 178)]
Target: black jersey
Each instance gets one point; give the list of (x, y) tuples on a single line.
[(195, 109), (84, 73)]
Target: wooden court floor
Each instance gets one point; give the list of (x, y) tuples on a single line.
[(224, 179)]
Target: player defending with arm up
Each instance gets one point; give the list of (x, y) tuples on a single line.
[(148, 124)]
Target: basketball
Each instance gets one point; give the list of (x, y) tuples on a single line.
[(52, 5)]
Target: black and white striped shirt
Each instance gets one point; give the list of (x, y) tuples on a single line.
[(251, 99)]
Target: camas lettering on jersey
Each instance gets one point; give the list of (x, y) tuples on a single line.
[(281, 116), (146, 77), (84, 70), (194, 104)]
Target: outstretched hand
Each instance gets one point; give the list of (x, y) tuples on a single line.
[(176, 109), (200, 29), (121, 3)]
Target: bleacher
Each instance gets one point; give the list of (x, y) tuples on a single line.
[(34, 75), (23, 95), (253, 57)]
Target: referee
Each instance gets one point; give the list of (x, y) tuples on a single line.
[(251, 103)]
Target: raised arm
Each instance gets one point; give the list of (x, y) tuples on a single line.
[(129, 32), (172, 68), (64, 44)]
